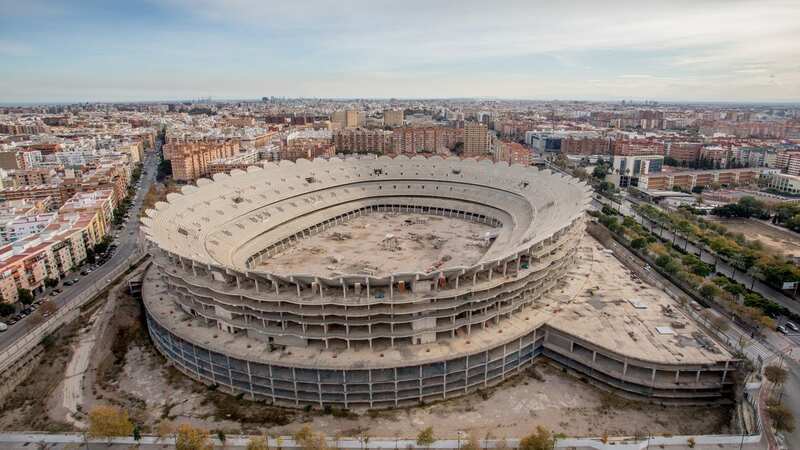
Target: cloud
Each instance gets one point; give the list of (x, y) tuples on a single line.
[(680, 49), (13, 48)]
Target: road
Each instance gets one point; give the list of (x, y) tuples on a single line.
[(126, 245)]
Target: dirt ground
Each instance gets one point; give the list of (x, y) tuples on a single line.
[(774, 239), (382, 243), (545, 396), (28, 406)]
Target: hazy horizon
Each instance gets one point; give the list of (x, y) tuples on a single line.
[(740, 51)]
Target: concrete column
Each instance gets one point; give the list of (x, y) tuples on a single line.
[(294, 381), (625, 368), (444, 381), (677, 375)]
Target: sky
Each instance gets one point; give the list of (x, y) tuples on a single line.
[(139, 50)]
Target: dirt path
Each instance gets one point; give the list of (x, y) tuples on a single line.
[(71, 392), (74, 396)]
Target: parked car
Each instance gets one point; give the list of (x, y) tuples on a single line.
[(792, 326), (782, 329), (3, 327)]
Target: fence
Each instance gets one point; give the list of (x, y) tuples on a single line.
[(63, 315)]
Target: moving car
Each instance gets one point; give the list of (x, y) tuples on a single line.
[(792, 326), (782, 329), (3, 327)]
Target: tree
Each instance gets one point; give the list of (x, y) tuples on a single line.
[(164, 429), (638, 243), (48, 308), (191, 438), (109, 422), (50, 282), (137, 433), (472, 443), (257, 443), (307, 439), (781, 417), (25, 296), (6, 309), (426, 437), (541, 439), (720, 323), (775, 374), (221, 437), (600, 171), (709, 291)]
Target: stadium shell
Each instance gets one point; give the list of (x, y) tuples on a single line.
[(378, 341)]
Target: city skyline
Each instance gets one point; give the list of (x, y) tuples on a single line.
[(740, 51)]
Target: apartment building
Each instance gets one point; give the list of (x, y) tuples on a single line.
[(415, 140), (788, 162), (393, 117), (684, 152), (512, 153), (687, 180), (637, 148), (476, 140), (782, 183), (359, 140), (190, 159)]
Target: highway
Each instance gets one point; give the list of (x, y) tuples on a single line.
[(126, 245)]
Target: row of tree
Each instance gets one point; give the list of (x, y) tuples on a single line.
[(741, 253), (108, 422)]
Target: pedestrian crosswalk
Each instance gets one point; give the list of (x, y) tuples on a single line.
[(757, 350)]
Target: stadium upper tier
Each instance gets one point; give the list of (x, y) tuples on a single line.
[(236, 220)]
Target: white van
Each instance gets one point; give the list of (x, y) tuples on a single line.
[(3, 327)]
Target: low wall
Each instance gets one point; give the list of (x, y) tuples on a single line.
[(287, 442)]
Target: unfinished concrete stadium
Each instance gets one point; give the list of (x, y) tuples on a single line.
[(393, 281)]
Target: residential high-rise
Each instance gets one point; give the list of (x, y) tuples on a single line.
[(339, 117), (352, 119), (393, 117), (476, 140)]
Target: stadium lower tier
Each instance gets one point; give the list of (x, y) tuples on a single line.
[(411, 383)]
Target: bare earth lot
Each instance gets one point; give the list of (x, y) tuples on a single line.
[(772, 238)]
